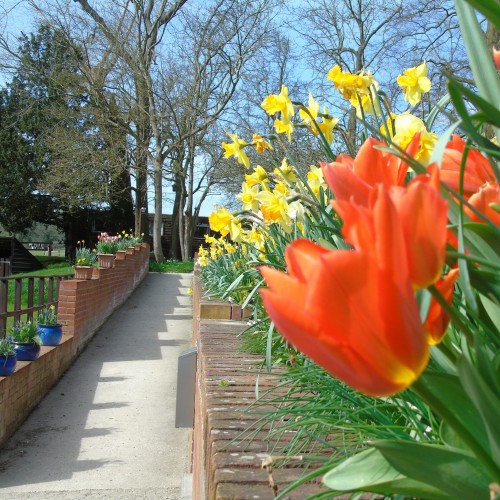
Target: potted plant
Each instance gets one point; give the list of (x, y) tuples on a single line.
[(26, 340), (49, 328), (106, 248), (7, 358), (123, 244), (85, 260)]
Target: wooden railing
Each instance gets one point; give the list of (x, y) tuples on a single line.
[(39, 292)]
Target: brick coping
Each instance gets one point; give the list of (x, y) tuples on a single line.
[(84, 306), (225, 465)]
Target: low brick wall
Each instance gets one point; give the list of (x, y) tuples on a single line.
[(84, 305), (225, 467)]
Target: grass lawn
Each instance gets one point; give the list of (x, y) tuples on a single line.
[(54, 266), (171, 266)]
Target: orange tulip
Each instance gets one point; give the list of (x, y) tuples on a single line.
[(483, 200), (477, 168), (355, 319), (496, 58), (437, 319), (423, 214), (355, 178), (414, 218)]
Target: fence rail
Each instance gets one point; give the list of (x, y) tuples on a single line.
[(22, 297)]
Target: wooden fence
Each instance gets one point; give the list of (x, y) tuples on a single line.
[(22, 297)]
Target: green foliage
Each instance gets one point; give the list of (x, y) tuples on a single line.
[(439, 438), (171, 266), (24, 332), (84, 255), (6, 348), (107, 244), (47, 316)]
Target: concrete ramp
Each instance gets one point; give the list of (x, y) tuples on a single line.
[(107, 429)]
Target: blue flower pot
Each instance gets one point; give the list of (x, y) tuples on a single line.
[(26, 351), (50, 334), (7, 365)]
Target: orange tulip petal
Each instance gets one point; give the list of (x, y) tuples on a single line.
[(437, 319), (345, 184), (336, 320), (302, 258), (482, 200), (358, 224), (423, 213)]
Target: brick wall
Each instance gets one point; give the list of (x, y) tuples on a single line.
[(224, 465), (84, 305)]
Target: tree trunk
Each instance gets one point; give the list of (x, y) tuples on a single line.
[(158, 220), (175, 249)]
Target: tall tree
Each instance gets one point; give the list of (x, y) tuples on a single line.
[(70, 159), (221, 40)]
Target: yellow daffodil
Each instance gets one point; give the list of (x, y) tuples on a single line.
[(235, 149), (274, 208), (259, 176), (279, 103), (313, 108), (327, 125), (220, 220), (406, 126), (296, 210), (235, 230), (414, 82), (351, 86), (368, 102), (389, 126), (315, 180), (203, 261), (286, 171), (281, 188), (284, 127), (247, 197), (260, 143)]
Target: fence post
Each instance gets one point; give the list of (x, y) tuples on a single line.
[(4, 297)]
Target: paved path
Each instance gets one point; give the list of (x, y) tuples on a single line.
[(107, 429)]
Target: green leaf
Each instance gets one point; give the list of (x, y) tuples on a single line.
[(491, 314), (491, 112), (269, 347), (488, 234), (483, 69), (370, 471), (490, 9), (424, 298), (452, 471), (440, 146), (435, 111), (450, 437), (486, 400), (446, 396)]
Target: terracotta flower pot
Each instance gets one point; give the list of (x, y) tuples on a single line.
[(83, 272), (120, 254), (106, 260)]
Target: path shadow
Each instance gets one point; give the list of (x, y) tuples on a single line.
[(102, 394)]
